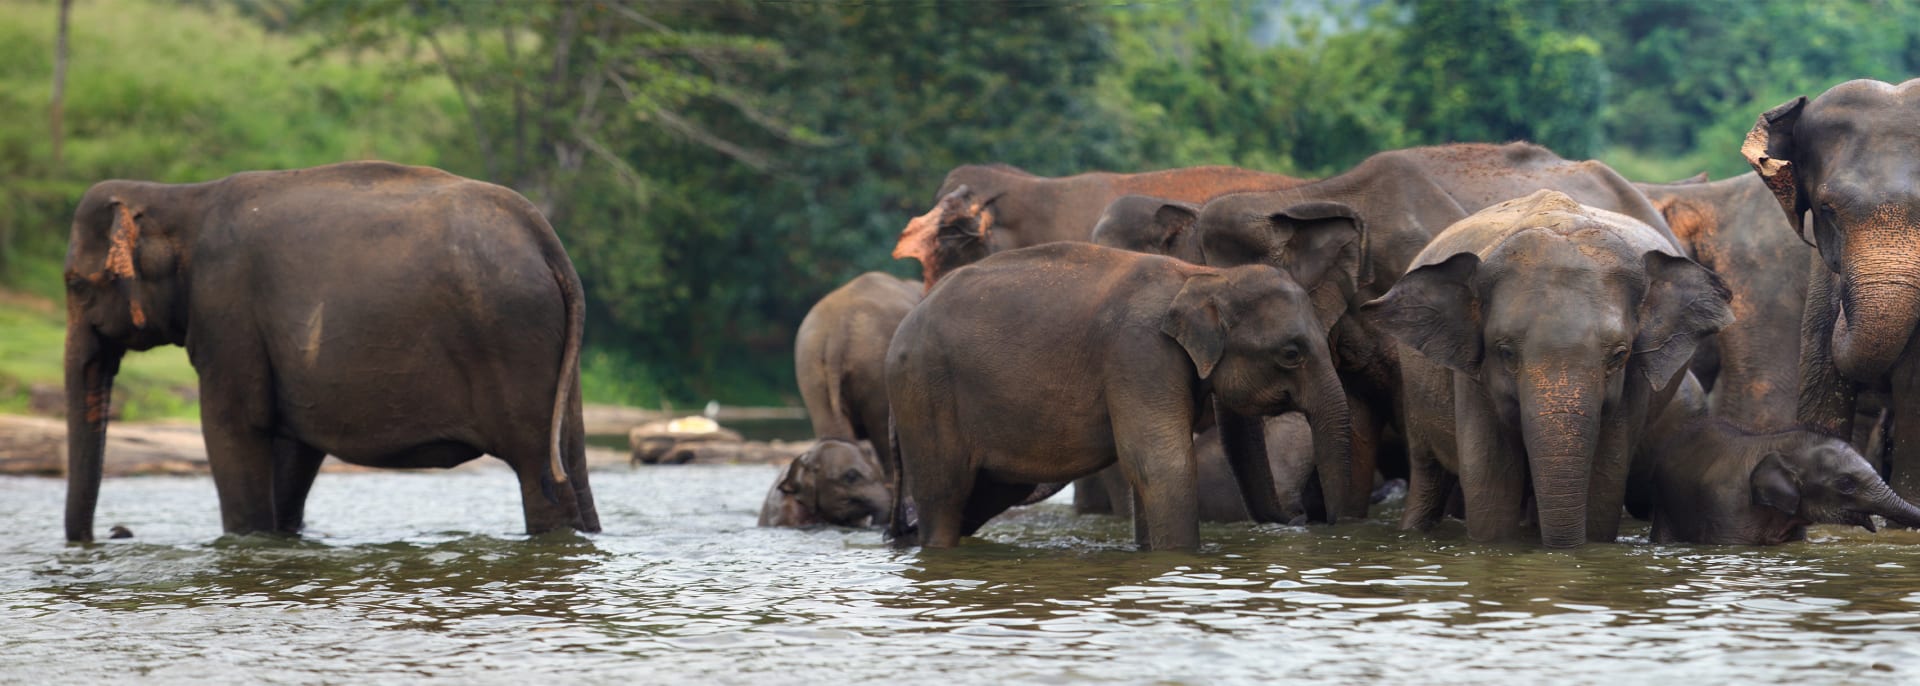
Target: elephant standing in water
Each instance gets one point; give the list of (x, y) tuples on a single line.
[(1842, 168), (984, 209), (391, 316), (1538, 331), (1047, 364)]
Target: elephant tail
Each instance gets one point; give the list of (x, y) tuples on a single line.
[(573, 299), (900, 526)]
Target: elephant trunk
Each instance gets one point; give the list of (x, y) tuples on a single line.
[(1559, 421), (1332, 425), (1881, 500), (1877, 313), (91, 363), (1243, 439)]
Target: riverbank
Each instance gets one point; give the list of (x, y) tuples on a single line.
[(37, 446)]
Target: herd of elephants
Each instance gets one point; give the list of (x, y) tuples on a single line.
[(1537, 346)]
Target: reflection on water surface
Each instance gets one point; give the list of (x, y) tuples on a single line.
[(424, 575)]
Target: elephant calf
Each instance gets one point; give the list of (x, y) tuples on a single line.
[(1545, 330), (1049, 363), (835, 482), (1712, 482)]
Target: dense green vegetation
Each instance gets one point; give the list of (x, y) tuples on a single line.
[(715, 167)]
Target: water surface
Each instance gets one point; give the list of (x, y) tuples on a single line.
[(410, 575)]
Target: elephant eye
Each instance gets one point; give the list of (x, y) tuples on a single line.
[(1290, 357), (1618, 359), (852, 476), (1846, 485), (1507, 354)]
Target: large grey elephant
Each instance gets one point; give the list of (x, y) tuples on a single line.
[(390, 316), (1555, 324), (1348, 238), (984, 209), (1842, 168), (995, 390)]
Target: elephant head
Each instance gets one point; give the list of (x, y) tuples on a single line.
[(957, 231), (839, 484), (1841, 167), (1252, 337), (1155, 226), (1321, 244), (1817, 479), (1555, 307), (125, 273)]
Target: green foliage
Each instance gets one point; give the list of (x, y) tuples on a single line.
[(715, 167)]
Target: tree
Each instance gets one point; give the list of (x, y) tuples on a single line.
[(1489, 70), (56, 111)]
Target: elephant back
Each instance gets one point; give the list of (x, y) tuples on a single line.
[(1484, 232)]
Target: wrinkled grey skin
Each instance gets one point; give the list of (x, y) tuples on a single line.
[(1734, 227), (1289, 456), (994, 390), (1713, 482), (1842, 168), (840, 356), (835, 482), (1155, 226), (1348, 238), (390, 316), (1558, 322)]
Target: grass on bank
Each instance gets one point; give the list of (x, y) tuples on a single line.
[(156, 384)]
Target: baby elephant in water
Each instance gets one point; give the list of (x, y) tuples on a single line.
[(1713, 482), (836, 482)]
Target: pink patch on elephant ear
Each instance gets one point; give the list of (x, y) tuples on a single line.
[(1776, 173), (120, 259), (921, 239)]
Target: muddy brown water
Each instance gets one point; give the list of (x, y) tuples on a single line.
[(408, 576)]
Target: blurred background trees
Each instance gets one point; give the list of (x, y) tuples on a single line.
[(716, 166)]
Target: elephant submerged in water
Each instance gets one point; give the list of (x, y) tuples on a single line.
[(1537, 332), (835, 482), (995, 390), (1709, 481), (391, 316)]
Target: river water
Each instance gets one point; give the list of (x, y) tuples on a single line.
[(412, 575)]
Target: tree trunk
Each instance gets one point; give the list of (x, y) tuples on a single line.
[(56, 112)]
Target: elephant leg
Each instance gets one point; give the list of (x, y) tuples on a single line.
[(547, 505), (1159, 466), (941, 489), (1090, 494), (1903, 424), (1493, 465), (1428, 486), (573, 447), (295, 464), (990, 498), (236, 417), (1365, 456)]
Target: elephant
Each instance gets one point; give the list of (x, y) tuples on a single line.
[(1348, 238), (1152, 225), (388, 315), (835, 482), (1711, 481), (840, 357), (1840, 166), (1549, 326), (1289, 459), (994, 389), (1734, 227), (984, 209)]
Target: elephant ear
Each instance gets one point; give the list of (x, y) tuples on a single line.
[(123, 253), (1144, 224), (1197, 322), (1309, 240), (794, 478), (1170, 222), (1776, 485), (1684, 303), (1770, 149), (1433, 309)]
